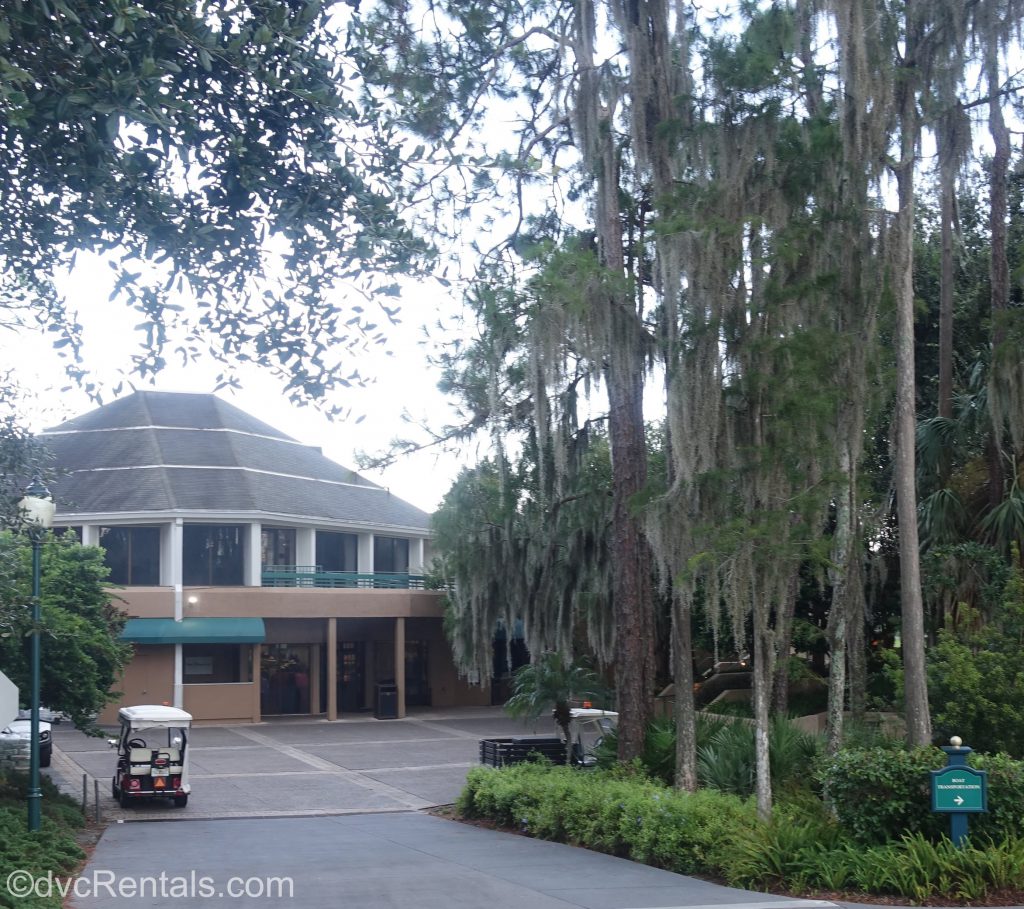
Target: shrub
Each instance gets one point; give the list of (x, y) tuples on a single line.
[(882, 794), (619, 813), (52, 848)]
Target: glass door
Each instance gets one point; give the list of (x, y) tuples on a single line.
[(284, 679)]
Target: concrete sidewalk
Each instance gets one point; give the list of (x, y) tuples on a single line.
[(400, 861), (307, 767)]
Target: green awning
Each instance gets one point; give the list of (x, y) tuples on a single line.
[(194, 631)]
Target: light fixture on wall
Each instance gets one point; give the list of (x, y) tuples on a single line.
[(192, 600)]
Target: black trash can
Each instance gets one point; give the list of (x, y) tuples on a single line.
[(387, 702)]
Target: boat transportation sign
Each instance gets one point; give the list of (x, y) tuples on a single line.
[(959, 789)]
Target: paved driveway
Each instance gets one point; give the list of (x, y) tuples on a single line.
[(308, 767), (400, 861)]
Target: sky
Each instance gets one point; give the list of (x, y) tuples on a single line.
[(401, 382)]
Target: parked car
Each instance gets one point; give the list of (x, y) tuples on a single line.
[(53, 717), (22, 729)]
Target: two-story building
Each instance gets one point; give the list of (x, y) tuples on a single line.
[(259, 577)]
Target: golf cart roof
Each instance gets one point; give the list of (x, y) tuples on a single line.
[(583, 713), (150, 716)]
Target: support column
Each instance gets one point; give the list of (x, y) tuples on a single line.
[(254, 556), (400, 664), (305, 546), (332, 669), (257, 683), (179, 685), (364, 554), (416, 555), (176, 548), (314, 679), (90, 534)]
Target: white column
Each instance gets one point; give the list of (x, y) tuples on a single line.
[(90, 534), (179, 687), (253, 576), (416, 555), (176, 569), (364, 554), (305, 546)]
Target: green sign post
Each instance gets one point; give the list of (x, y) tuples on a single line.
[(959, 790)]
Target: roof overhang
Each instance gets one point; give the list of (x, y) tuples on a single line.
[(194, 631)]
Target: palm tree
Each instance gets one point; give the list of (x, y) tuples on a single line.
[(550, 683)]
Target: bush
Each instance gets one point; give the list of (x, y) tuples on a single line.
[(52, 848), (620, 813), (725, 753), (881, 794)]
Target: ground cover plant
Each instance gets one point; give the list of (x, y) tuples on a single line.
[(52, 849)]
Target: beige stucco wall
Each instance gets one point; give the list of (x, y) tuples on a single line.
[(290, 602), (280, 602), (226, 703), (148, 679)]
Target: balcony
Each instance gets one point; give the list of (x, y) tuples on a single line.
[(314, 576)]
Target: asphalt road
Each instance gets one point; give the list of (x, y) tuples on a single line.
[(394, 860)]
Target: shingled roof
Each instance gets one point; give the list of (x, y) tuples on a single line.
[(171, 453)]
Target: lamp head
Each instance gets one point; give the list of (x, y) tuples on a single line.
[(37, 505)]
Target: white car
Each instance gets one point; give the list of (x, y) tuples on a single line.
[(22, 729)]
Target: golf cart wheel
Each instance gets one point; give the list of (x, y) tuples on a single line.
[(124, 799), (114, 791), (180, 801), (44, 758)]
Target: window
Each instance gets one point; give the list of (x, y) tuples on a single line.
[(213, 555), (70, 532), (278, 546), (390, 554), (132, 554), (337, 551), (207, 664)]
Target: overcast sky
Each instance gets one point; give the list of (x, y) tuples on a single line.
[(403, 381)]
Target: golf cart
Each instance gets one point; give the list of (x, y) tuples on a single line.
[(155, 766), (586, 729)]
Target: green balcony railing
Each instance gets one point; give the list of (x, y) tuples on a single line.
[(315, 576)]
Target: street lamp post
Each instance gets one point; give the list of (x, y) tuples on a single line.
[(38, 508)]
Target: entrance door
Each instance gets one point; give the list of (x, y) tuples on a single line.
[(284, 678), (351, 676)]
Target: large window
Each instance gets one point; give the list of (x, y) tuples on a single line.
[(207, 664), (390, 554), (132, 554), (213, 555), (278, 546), (337, 551)]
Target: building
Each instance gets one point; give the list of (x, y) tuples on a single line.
[(259, 577)]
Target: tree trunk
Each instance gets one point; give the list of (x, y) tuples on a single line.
[(624, 378), (634, 646), (857, 656), (685, 711), (947, 192), (763, 651), (999, 271), (784, 635), (911, 602), (838, 616)]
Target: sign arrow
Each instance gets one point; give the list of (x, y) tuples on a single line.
[(959, 800)]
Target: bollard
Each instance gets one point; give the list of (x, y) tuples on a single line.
[(85, 793), (96, 794)]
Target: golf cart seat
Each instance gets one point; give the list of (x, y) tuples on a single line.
[(140, 761)]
